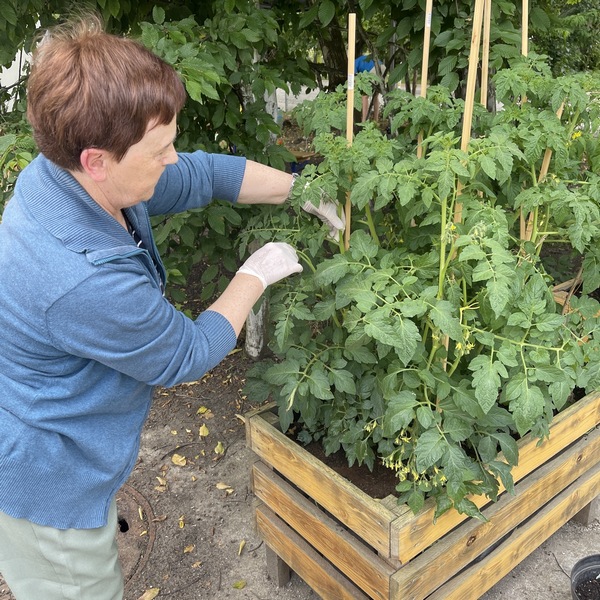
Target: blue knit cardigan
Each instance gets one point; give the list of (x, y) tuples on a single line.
[(86, 334)]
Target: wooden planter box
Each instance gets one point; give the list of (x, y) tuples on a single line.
[(348, 545)]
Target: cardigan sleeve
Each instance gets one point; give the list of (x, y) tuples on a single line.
[(118, 318), (195, 180)]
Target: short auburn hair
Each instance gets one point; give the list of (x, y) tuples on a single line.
[(91, 89)]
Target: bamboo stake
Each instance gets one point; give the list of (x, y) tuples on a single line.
[(524, 52), (485, 56), (470, 93), (468, 114), (525, 29), (543, 172), (425, 66), (350, 111)]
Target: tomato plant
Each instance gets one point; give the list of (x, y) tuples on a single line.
[(434, 341)]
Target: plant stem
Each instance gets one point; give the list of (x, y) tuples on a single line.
[(442, 268), (371, 224), (307, 260)]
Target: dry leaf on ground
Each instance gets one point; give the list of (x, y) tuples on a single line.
[(179, 460), (150, 594)]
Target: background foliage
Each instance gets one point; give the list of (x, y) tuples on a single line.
[(234, 55)]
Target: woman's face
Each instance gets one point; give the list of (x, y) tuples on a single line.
[(134, 177)]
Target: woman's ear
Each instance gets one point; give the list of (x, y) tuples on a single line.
[(94, 163)]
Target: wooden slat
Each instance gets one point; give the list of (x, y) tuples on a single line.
[(357, 510), (328, 583), (266, 413), (422, 575), (353, 558), (411, 534), (479, 578)]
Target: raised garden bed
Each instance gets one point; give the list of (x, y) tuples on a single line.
[(347, 544)]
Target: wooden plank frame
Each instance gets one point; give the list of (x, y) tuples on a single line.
[(394, 531), (302, 559), (350, 505), (304, 508), (474, 582), (343, 550), (461, 547)]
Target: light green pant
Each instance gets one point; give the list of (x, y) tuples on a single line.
[(40, 562)]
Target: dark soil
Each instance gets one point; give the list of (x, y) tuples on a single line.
[(379, 483), (588, 590)]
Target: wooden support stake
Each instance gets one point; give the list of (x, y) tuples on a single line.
[(470, 93), (525, 29), (485, 55), (350, 111), (425, 66), (524, 52), (526, 235)]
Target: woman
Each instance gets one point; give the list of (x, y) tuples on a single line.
[(85, 330)]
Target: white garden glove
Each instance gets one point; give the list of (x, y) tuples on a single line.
[(327, 211), (272, 262)]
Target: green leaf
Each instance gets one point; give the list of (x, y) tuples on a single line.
[(549, 322), (415, 501), (357, 291), (400, 413), (281, 373), (467, 507), (343, 381), (425, 416), (326, 12), (251, 36), (331, 271), (488, 166), (472, 252), (215, 220), (487, 448), (364, 189), (402, 334), (114, 7), (210, 273), (442, 316), (509, 447), (362, 246), (519, 319), (9, 14), (318, 383), (429, 449), (486, 380), (158, 14), (499, 293), (549, 374), (445, 184), (458, 429), (360, 354), (504, 471), (413, 308), (527, 407), (456, 463)]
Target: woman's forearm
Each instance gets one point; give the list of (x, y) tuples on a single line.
[(238, 299)]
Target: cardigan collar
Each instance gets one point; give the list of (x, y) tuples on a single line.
[(62, 206)]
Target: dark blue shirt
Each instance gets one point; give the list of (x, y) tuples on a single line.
[(363, 64)]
